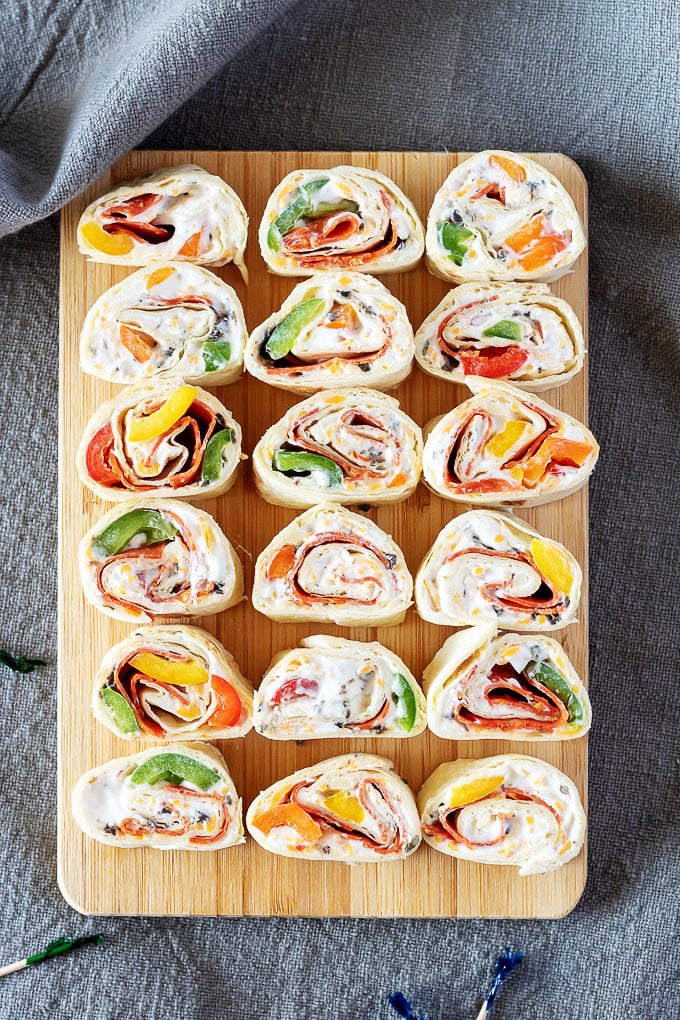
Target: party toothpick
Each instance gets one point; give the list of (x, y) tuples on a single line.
[(19, 663), (505, 964), (55, 948), (404, 1008)]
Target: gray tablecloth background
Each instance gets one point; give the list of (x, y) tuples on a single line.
[(82, 82)]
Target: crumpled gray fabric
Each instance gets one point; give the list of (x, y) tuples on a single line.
[(600, 82), (83, 81)]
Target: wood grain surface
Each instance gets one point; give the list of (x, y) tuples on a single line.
[(246, 880)]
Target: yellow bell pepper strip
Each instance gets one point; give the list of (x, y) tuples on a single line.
[(213, 463), (290, 815), (121, 710), (474, 791), (175, 769), (116, 536), (280, 341), (108, 244), (158, 422), (552, 564), (504, 440), (184, 673), (344, 805)]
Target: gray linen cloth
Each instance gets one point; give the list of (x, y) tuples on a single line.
[(599, 81)]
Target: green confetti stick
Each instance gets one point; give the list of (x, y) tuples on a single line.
[(55, 948)]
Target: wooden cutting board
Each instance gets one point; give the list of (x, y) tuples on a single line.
[(246, 880)]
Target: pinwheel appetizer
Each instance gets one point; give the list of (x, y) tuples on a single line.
[(519, 332), (510, 809), (501, 216), (341, 446), (164, 438), (482, 683), (173, 319), (337, 329), (181, 212), (170, 683), (486, 567), (349, 217), (180, 798), (146, 560), (331, 687), (330, 565), (353, 808), (504, 446)]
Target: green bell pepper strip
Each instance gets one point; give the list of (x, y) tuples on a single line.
[(402, 691), (297, 209), (116, 536), (283, 336), (555, 682), (216, 354), (298, 460), (121, 710), (175, 769), (452, 237), (324, 208), (506, 330), (212, 458)]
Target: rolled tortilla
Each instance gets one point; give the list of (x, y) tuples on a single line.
[(353, 808), (519, 332), (172, 682), (337, 329), (482, 683), (340, 446), (163, 438), (180, 212), (501, 216), (486, 567), (148, 559), (509, 809), (175, 319), (348, 217), (330, 565), (331, 687), (178, 798), (506, 447)]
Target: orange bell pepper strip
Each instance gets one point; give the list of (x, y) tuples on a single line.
[(545, 249), (342, 316), (561, 451), (291, 815), (514, 171), (191, 247), (139, 344), (523, 237), (282, 562)]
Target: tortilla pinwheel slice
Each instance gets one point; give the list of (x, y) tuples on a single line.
[(172, 319), (509, 809), (502, 216), (163, 438), (485, 684), (487, 567), (145, 560), (353, 808), (333, 566), (331, 687), (520, 332), (349, 446), (503, 446), (180, 212), (172, 682), (178, 798), (348, 217), (336, 329)]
